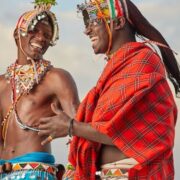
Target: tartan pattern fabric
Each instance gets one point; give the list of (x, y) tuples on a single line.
[(133, 104)]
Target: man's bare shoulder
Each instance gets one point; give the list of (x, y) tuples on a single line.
[(2, 77), (3, 84), (58, 71), (63, 85), (60, 76), (2, 80)]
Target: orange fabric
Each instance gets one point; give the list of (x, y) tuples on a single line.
[(133, 104)]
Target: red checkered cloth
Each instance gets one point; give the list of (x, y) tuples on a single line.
[(133, 104)]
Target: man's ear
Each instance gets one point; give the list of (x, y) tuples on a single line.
[(119, 23), (16, 37)]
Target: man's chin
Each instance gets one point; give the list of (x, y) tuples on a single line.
[(95, 50), (36, 57)]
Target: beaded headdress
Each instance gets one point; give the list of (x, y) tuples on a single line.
[(95, 10), (29, 19), (107, 9)]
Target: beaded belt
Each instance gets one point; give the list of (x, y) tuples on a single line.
[(116, 170), (36, 166), (69, 173), (115, 173)]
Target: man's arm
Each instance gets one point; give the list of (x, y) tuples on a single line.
[(66, 91), (1, 141), (86, 131), (58, 126), (1, 118)]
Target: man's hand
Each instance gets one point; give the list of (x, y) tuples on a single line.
[(55, 126)]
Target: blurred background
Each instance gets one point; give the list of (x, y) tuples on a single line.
[(73, 51)]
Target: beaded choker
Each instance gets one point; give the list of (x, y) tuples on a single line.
[(24, 77)]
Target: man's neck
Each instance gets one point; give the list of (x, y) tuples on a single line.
[(121, 38), (22, 59), (22, 62), (115, 48), (25, 61)]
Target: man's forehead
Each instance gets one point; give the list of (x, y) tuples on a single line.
[(44, 23), (46, 28)]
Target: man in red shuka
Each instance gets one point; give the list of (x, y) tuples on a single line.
[(124, 128)]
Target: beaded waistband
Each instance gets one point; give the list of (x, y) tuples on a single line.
[(11, 167), (69, 173), (116, 170), (116, 173)]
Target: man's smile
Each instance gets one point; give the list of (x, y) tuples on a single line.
[(94, 40), (36, 45)]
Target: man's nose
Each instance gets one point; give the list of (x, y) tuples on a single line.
[(41, 36), (88, 29)]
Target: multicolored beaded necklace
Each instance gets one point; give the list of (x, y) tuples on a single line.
[(22, 79)]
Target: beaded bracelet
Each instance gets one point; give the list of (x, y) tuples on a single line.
[(70, 131), (70, 127)]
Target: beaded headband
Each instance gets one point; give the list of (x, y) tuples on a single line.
[(29, 19), (108, 9)]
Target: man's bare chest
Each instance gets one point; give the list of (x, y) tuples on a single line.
[(39, 99)]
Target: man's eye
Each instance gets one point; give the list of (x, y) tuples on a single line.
[(86, 22), (32, 31), (95, 23), (47, 36)]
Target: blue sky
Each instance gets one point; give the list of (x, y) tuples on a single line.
[(73, 51)]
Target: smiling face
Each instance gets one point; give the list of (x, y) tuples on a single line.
[(97, 32), (37, 41), (99, 37)]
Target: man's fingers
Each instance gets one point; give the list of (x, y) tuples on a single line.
[(44, 120), (43, 132), (44, 126), (47, 140)]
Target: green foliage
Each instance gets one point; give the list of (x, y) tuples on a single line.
[(38, 2)]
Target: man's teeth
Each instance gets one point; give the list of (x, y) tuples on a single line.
[(36, 45), (94, 39)]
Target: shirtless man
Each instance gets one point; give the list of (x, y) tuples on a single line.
[(27, 91)]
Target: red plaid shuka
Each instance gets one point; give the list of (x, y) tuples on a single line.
[(133, 104)]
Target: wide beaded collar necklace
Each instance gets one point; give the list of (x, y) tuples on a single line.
[(22, 79)]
